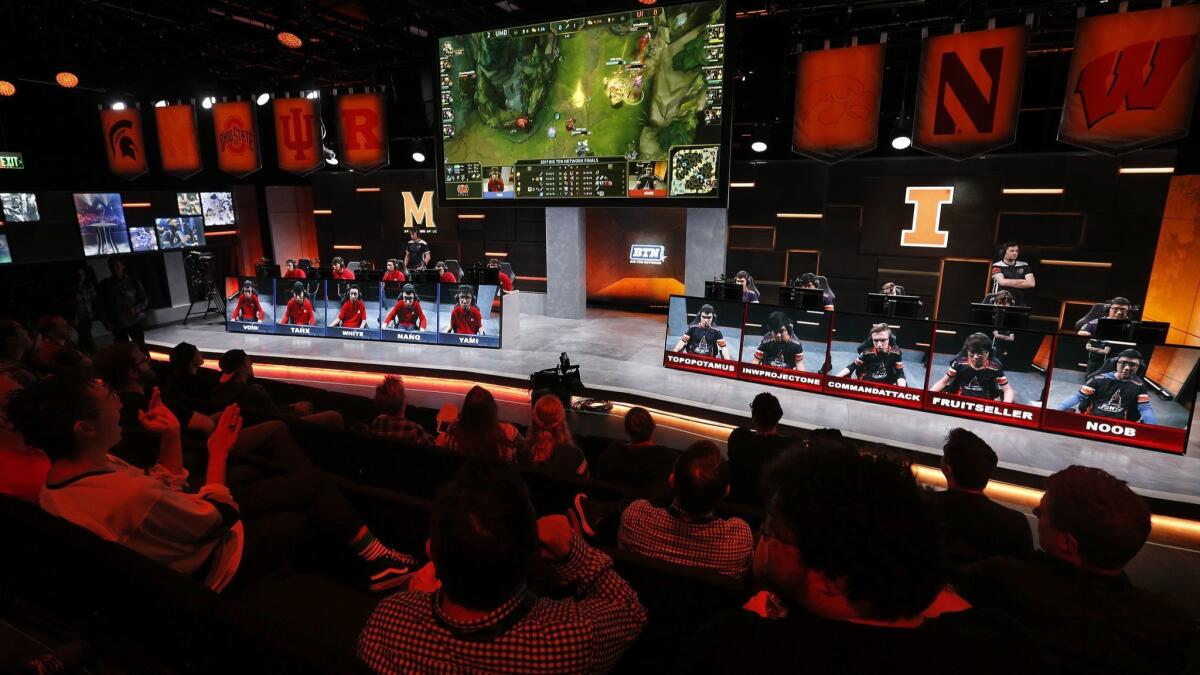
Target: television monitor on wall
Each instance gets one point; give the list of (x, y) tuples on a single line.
[(217, 208), (142, 239), (189, 203), (102, 223), (180, 232), (20, 207), (5, 251), (625, 107)]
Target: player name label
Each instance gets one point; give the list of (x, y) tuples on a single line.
[(700, 363), (994, 411), (873, 391), (1113, 430), (795, 379)]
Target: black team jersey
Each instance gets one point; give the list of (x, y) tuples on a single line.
[(880, 366), (703, 341), (985, 382), (780, 353), (1110, 397)]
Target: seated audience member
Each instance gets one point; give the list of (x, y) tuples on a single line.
[(977, 527), (76, 422), (127, 371), (54, 347), (750, 450), (1118, 308), (15, 345), (235, 386), (291, 271), (393, 273), (22, 469), (477, 615), (183, 379), (1074, 595), (639, 461), (340, 271), (390, 401), (851, 545), (478, 431), (688, 533), (749, 290), (550, 445)]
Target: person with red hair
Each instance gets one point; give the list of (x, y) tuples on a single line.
[(550, 445)]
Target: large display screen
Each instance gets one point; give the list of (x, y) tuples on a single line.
[(102, 223), (180, 232), (622, 106), (1139, 395), (20, 207), (463, 315)]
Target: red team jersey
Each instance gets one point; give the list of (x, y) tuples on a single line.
[(346, 273), (505, 283), (248, 308), (448, 277), (407, 316), (299, 313), (394, 275), (295, 274), (467, 321), (353, 313)]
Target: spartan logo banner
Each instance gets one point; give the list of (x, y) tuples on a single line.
[(1132, 80), (123, 142), (837, 102), (298, 135), (362, 131), (177, 142), (237, 138), (969, 92)]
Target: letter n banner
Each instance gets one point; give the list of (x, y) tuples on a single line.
[(362, 131), (177, 142), (123, 142), (837, 102), (237, 138), (969, 92), (298, 135), (1132, 81)]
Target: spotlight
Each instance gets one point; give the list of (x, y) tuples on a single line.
[(289, 40), (313, 94), (901, 141), (66, 79), (207, 102), (418, 156), (7, 88), (330, 156), (758, 146), (262, 99), (160, 103)]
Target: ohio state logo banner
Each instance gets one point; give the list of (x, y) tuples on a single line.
[(837, 102), (969, 92), (236, 136), (1132, 80), (123, 142), (177, 143), (362, 131), (298, 135)]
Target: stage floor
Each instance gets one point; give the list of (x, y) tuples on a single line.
[(622, 353)]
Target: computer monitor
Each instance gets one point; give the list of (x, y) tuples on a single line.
[(425, 276), (723, 290), (804, 298), (905, 306), (1117, 329), (476, 275), (1004, 316), (1151, 332), (266, 270)]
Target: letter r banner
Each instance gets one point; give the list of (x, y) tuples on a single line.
[(362, 131)]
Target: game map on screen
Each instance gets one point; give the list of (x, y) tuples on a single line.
[(614, 106)]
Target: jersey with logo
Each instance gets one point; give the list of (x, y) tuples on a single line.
[(886, 366), (353, 314), (703, 341), (1016, 270), (965, 380), (780, 353), (248, 308), (467, 321), (1106, 396), (299, 312), (407, 316)]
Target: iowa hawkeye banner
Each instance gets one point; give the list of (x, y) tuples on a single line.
[(237, 138), (298, 135), (969, 92), (362, 131), (1132, 80), (177, 142), (123, 142), (837, 102)]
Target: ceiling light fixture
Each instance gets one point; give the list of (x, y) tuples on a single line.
[(160, 103), (312, 94), (67, 79), (207, 102), (289, 40), (758, 146), (7, 88), (118, 106), (262, 99)]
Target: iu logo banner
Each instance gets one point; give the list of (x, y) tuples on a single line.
[(362, 131), (837, 102), (237, 138), (1132, 80), (969, 92), (177, 142), (298, 135), (123, 142)]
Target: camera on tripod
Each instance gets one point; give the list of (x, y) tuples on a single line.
[(199, 267)]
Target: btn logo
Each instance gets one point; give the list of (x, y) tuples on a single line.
[(926, 230), (647, 254)]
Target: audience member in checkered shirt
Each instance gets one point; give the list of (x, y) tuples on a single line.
[(474, 613), (390, 401), (687, 533)]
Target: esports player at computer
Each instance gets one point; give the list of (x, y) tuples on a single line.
[(495, 183), (702, 338), (444, 274), (406, 314), (248, 307), (416, 251), (465, 318), (393, 273), (340, 271), (291, 271), (1118, 308), (976, 375), (881, 362), (779, 347), (809, 280), (506, 285), (891, 288), (353, 313), (299, 310), (1119, 394), (749, 290), (1012, 275)]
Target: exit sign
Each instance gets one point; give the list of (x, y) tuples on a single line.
[(11, 160)]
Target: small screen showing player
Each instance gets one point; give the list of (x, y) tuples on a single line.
[(786, 346), (468, 315), (879, 360), (408, 312), (250, 305), (704, 335), (352, 309), (300, 307)]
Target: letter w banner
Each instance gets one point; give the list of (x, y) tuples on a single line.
[(837, 102), (123, 142), (237, 138), (969, 92), (1132, 81), (177, 143), (362, 131), (298, 135)]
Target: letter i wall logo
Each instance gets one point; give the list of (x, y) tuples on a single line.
[(926, 230)]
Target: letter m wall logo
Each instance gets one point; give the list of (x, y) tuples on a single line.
[(1133, 78)]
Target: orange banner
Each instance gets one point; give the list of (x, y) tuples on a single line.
[(298, 135), (836, 112), (969, 92), (123, 142), (177, 142), (1132, 81), (362, 131), (237, 138)]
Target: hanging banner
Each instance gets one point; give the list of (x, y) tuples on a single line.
[(362, 131), (298, 135), (1132, 81), (836, 113), (177, 142), (969, 92), (237, 138), (123, 142)]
